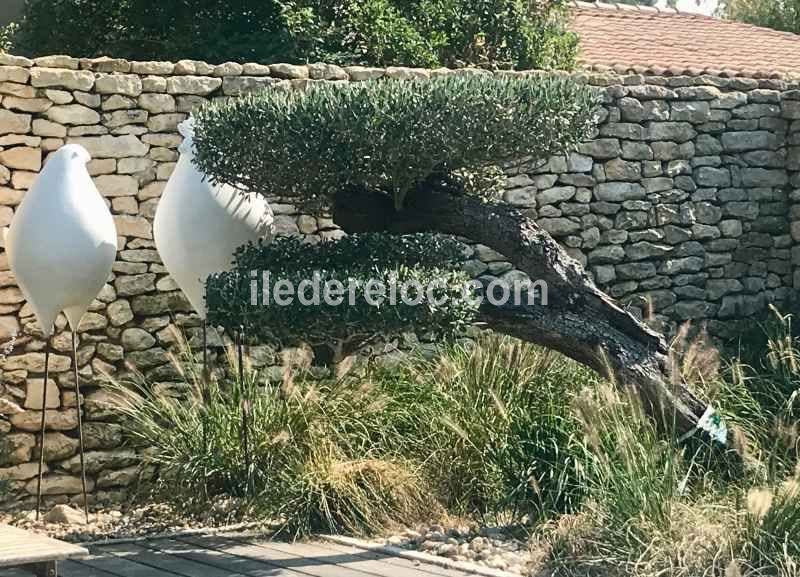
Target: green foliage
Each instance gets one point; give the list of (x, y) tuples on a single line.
[(502, 431), (760, 390), (773, 523), (777, 14), (322, 453), (382, 32), (349, 314), (651, 508), (483, 429), (496, 33), (630, 469), (7, 34), (387, 136), (503, 436), (214, 30)]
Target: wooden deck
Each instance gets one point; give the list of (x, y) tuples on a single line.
[(235, 556), (37, 553)]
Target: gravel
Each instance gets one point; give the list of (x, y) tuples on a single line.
[(490, 547), (485, 546), (132, 522)]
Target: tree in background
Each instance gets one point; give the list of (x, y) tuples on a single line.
[(153, 29), (7, 36), (777, 14), (499, 33)]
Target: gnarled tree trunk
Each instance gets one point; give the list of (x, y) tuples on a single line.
[(579, 320)]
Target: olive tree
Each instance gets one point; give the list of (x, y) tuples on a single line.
[(400, 157)]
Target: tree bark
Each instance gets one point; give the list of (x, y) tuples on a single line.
[(579, 320)]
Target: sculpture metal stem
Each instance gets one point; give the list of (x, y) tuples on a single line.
[(205, 356), (245, 403), (205, 383), (80, 424), (44, 418)]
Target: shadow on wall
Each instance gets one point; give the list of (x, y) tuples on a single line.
[(10, 10)]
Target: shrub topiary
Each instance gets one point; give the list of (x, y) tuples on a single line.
[(387, 136), (381, 32), (359, 309)]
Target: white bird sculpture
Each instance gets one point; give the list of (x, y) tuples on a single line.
[(197, 228), (61, 246), (199, 225)]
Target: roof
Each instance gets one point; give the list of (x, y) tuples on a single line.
[(637, 39)]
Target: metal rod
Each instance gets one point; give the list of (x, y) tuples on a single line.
[(80, 423), (205, 384), (240, 352), (205, 354), (245, 402), (44, 416)]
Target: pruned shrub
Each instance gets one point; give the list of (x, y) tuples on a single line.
[(387, 136), (345, 292)]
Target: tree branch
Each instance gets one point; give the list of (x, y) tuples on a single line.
[(579, 320)]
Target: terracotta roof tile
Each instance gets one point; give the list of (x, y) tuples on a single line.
[(646, 40)]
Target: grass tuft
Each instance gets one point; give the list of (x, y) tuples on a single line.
[(503, 432)]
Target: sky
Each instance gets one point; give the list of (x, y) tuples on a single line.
[(705, 7)]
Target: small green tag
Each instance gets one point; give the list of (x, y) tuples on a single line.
[(712, 423)]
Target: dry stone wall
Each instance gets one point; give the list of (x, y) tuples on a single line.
[(680, 205), (684, 203)]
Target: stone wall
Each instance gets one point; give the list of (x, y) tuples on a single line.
[(681, 201), (680, 205)]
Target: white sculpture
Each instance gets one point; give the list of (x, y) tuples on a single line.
[(61, 245), (199, 225), (197, 228)]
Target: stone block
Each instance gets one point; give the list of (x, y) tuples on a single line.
[(34, 393), (14, 123), (124, 84), (108, 146), (22, 157), (57, 484), (82, 80), (198, 85)]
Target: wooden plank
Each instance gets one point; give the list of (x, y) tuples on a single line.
[(275, 559), (314, 560), (122, 567), (78, 569), (201, 553), (164, 561), (371, 562), (306, 551), (18, 547), (427, 569), (15, 573), (312, 567)]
